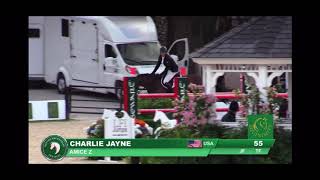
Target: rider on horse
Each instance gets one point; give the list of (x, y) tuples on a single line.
[(171, 68)]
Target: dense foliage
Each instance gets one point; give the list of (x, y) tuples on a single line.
[(195, 109)]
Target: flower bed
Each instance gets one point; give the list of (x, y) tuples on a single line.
[(196, 109)]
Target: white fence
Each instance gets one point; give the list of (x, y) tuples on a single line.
[(285, 123), (47, 110)]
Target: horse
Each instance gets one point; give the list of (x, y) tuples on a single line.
[(56, 146), (152, 83), (166, 123)]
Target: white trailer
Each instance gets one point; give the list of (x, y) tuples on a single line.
[(36, 48), (95, 50)]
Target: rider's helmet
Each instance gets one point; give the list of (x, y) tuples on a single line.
[(163, 49)]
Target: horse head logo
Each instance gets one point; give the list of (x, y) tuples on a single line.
[(56, 146), (261, 127), (260, 124)]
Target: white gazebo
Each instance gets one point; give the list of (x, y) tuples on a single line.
[(261, 48)]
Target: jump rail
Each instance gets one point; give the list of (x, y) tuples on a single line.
[(157, 95), (152, 111), (131, 95), (231, 95), (224, 95)]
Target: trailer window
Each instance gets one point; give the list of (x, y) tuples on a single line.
[(109, 51), (65, 27), (34, 33)]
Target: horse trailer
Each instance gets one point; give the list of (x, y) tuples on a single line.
[(95, 50)]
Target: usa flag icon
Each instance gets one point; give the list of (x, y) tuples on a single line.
[(195, 144)]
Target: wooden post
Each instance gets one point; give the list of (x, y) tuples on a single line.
[(290, 95), (241, 83), (67, 98)]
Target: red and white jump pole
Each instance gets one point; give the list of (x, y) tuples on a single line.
[(131, 95)]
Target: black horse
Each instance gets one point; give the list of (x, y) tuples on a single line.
[(152, 83)]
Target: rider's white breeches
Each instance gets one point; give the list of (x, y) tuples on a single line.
[(169, 76)]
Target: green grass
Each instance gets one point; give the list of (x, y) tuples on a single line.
[(53, 110)]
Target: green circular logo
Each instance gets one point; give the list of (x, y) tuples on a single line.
[(261, 128), (54, 147)]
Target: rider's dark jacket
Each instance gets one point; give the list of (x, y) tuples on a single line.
[(168, 62)]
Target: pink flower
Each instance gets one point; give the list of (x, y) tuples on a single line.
[(203, 120), (210, 99), (191, 98), (187, 115), (193, 120)]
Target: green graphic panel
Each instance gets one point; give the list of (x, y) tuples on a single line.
[(155, 152), (240, 151), (245, 143), (141, 143), (167, 147), (164, 152), (260, 126)]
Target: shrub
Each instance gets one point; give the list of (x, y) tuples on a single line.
[(281, 152), (196, 109), (154, 103)]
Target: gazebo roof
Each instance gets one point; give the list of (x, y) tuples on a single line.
[(265, 37)]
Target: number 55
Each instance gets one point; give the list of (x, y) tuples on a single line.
[(257, 143)]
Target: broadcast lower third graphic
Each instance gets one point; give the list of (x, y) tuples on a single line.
[(195, 144), (242, 151)]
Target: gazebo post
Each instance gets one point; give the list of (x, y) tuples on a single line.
[(214, 79), (272, 76), (209, 79), (290, 94), (287, 80), (263, 77)]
